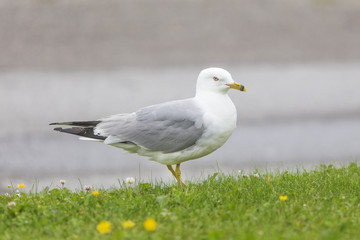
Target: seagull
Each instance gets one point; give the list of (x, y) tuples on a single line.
[(172, 132)]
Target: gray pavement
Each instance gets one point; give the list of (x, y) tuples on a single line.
[(291, 116), (76, 60), (72, 35)]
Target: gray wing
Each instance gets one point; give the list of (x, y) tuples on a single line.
[(167, 127)]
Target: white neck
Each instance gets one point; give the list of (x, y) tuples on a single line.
[(219, 110), (209, 93), (215, 101)]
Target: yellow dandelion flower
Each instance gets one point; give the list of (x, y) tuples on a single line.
[(283, 198), (104, 227), (128, 224), (9, 186), (150, 224), (95, 193), (20, 185)]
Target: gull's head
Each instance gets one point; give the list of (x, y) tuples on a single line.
[(216, 80)]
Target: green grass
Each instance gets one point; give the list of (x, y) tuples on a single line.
[(322, 204)]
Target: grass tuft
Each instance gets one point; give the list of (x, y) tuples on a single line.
[(323, 203)]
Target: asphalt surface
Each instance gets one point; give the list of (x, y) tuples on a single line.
[(68, 35), (295, 116), (76, 60)]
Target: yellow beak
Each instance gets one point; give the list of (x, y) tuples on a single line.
[(237, 86)]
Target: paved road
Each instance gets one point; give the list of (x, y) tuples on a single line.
[(70, 35), (295, 115)]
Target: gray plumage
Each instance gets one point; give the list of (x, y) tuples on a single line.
[(167, 127)]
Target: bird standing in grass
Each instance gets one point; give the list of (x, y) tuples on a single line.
[(172, 132)]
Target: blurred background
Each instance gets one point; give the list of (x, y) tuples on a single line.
[(64, 60)]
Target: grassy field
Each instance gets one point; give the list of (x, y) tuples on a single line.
[(319, 204)]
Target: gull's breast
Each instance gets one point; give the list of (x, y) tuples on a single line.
[(219, 120)]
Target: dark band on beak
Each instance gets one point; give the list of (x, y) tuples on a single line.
[(242, 88)]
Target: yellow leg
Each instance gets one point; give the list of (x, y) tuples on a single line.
[(171, 170), (178, 176)]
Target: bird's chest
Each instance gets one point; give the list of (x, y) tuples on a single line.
[(219, 122), (219, 131)]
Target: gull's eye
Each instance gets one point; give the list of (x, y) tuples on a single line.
[(215, 79)]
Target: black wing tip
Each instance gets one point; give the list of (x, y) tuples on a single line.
[(87, 132), (60, 123), (78, 123)]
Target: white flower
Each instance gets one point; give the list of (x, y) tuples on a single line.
[(130, 180), (256, 175), (62, 182), (11, 204), (87, 188), (7, 195), (245, 175), (165, 213)]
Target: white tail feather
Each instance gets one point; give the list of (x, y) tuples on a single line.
[(90, 139)]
